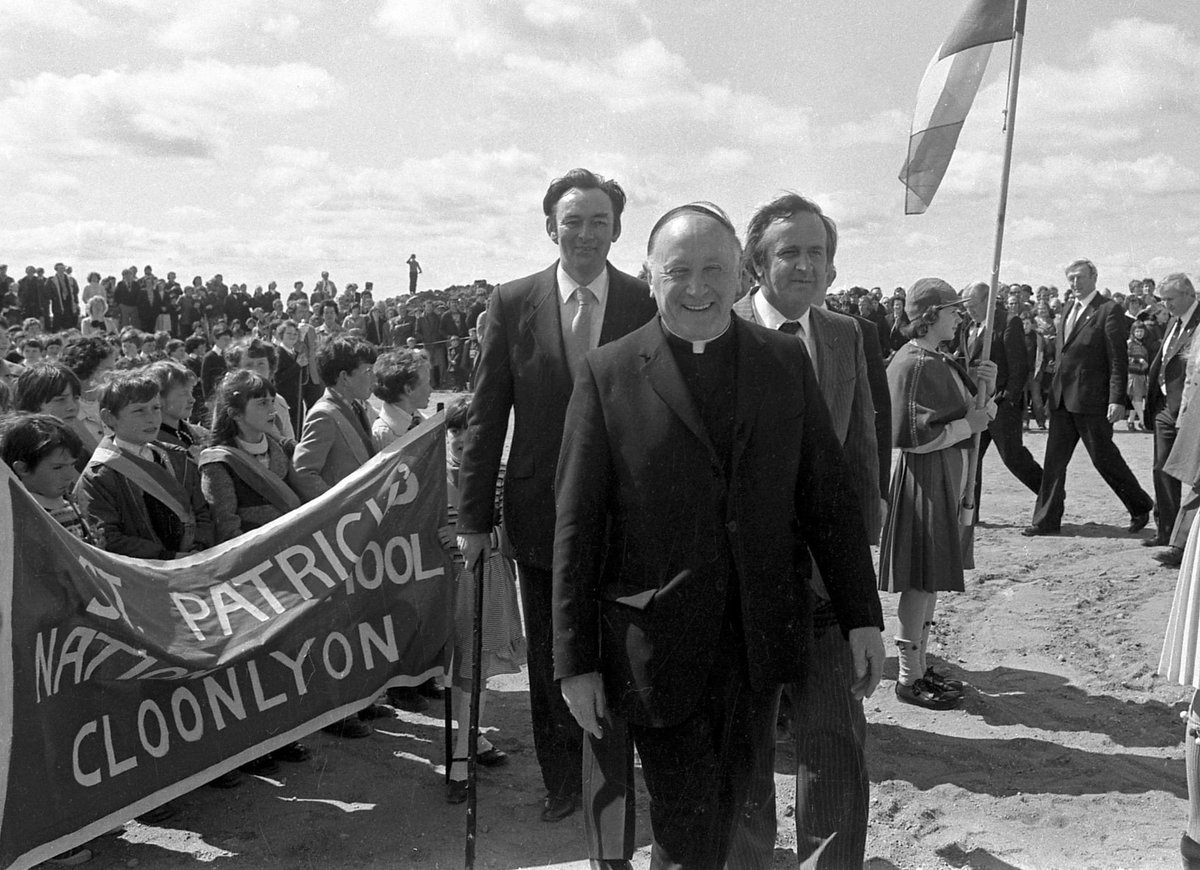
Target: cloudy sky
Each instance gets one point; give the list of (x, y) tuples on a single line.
[(268, 139)]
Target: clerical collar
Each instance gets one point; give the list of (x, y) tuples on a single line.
[(697, 346)]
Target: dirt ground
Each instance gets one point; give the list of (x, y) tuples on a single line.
[(1066, 754)]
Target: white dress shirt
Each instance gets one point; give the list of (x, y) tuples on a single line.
[(769, 317), (568, 304)]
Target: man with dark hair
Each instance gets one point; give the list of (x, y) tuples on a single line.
[(791, 244), (538, 329), (1009, 354), (1087, 395), (62, 298), (698, 466)]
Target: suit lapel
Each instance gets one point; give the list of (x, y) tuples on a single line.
[(827, 343), (1084, 318), (750, 388), (660, 370), (542, 320), (620, 317)]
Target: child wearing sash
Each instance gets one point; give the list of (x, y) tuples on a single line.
[(247, 475), (248, 479), (260, 357), (143, 498)]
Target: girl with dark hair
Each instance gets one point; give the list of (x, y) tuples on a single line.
[(247, 474), (925, 547)]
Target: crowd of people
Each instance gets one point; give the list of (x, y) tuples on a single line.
[(702, 457)]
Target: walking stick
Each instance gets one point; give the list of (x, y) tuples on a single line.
[(473, 734)]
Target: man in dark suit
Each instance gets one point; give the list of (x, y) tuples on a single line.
[(1009, 354), (1164, 392), (62, 292), (790, 248), (537, 330), (1087, 395), (698, 464), (379, 330)]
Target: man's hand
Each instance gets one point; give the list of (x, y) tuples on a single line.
[(584, 694), (866, 646), (1115, 412), (475, 545)]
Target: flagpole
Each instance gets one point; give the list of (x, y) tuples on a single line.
[(967, 513)]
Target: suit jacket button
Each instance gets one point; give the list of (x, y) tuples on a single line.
[(732, 527), (720, 585)]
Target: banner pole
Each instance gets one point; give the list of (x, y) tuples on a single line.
[(968, 509), (473, 735)]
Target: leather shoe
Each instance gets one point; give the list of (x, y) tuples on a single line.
[(558, 807), (1035, 531), (923, 694), (1172, 557), (942, 683), (492, 757), (456, 791), (1137, 522), (1156, 541)]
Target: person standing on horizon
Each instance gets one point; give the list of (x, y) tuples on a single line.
[(414, 269)]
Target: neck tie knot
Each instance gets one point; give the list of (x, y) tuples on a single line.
[(791, 327)]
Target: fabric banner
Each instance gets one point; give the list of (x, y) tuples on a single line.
[(945, 97), (127, 682)]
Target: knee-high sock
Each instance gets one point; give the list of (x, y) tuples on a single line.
[(462, 733), (912, 612), (925, 627), (1191, 759), (907, 656)]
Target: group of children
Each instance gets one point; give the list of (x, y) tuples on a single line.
[(155, 486)]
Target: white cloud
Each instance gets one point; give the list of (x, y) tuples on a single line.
[(201, 28), (479, 28), (152, 112), (1024, 229), (889, 127), (649, 79), (918, 239), (725, 160), (66, 16), (1149, 175)]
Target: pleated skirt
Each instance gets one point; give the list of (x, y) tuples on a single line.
[(923, 545), (1178, 661), (504, 649)]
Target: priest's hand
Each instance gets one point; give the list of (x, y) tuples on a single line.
[(584, 694), (866, 648)]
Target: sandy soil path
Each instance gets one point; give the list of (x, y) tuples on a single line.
[(1067, 753)]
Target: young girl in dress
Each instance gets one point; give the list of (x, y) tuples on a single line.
[(934, 415), (248, 480), (503, 640), (1139, 365)]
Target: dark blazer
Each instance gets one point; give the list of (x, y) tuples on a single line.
[(378, 331), (523, 368), (1171, 363), (1009, 351), (1093, 362), (646, 507), (843, 375)]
